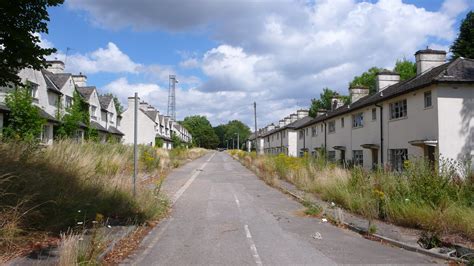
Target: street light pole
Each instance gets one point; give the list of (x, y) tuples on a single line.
[(135, 148)]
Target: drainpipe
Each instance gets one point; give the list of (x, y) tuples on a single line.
[(281, 141), (325, 139), (381, 133)]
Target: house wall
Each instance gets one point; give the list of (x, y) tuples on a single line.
[(420, 123), (456, 122), (42, 99), (368, 134), (146, 128), (292, 142), (94, 101), (313, 142), (341, 137)]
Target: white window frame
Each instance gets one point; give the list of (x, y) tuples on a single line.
[(358, 120), (398, 109), (397, 158), (68, 101), (94, 111), (358, 157), (332, 126), (428, 99)]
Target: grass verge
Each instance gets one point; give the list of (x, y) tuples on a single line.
[(70, 187), (439, 201)]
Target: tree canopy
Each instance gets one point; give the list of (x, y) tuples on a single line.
[(366, 79), (324, 101), (405, 68), (25, 121), (20, 24), (464, 44), (202, 131), (234, 127)]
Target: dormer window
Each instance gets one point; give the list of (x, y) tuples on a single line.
[(68, 102), (111, 118)]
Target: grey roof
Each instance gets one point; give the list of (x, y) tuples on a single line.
[(430, 51), (458, 71), (49, 82), (105, 101), (115, 131), (59, 79), (47, 116), (97, 126), (152, 114), (86, 92), (294, 125)]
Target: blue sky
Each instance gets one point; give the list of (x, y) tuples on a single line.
[(228, 54)]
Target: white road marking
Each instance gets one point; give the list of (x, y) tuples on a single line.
[(237, 201), (180, 192), (175, 198), (253, 248)]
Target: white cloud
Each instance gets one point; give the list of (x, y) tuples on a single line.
[(108, 59), (280, 53)]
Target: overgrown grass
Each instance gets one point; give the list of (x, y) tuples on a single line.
[(68, 185), (420, 197)]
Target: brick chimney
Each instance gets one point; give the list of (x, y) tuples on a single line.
[(428, 59), (281, 123), (144, 106), (270, 127), (287, 120), (321, 112), (336, 102), (131, 102), (385, 79)]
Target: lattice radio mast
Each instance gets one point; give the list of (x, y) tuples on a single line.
[(172, 97)]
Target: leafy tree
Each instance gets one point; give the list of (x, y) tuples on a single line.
[(20, 22), (366, 79), (324, 101), (118, 105), (24, 121), (202, 131), (75, 115), (177, 143), (405, 68), (159, 142), (234, 127), (220, 132), (464, 44)]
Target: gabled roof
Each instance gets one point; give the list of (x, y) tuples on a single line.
[(458, 71), (105, 101), (86, 92), (49, 83), (59, 79), (152, 114)]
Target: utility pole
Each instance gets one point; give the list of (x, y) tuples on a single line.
[(227, 143), (233, 144), (135, 148), (256, 130), (172, 97)]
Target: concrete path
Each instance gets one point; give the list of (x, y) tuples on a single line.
[(224, 215)]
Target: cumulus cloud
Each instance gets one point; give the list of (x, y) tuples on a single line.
[(281, 53), (108, 59)]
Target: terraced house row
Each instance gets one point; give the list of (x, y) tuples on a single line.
[(429, 115), (53, 91)]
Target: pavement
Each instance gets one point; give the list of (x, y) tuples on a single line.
[(225, 215)]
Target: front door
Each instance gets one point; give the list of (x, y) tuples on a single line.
[(343, 157), (430, 154), (375, 158)]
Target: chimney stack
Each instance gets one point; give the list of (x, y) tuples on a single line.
[(358, 92), (385, 79), (144, 106), (428, 59), (302, 113), (281, 123), (336, 102), (320, 112), (80, 80), (270, 127), (287, 120), (293, 118), (55, 66), (131, 102)]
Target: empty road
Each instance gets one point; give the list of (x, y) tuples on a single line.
[(225, 215)]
